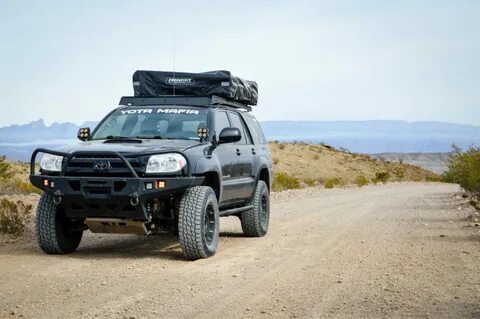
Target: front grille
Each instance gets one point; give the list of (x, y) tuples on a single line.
[(99, 165)]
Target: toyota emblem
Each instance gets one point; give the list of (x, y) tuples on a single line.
[(101, 165)]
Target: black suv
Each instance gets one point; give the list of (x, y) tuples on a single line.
[(158, 163)]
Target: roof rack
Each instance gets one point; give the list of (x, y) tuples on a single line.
[(205, 101)]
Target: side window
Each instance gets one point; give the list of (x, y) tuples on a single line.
[(255, 129), (221, 122), (238, 123)]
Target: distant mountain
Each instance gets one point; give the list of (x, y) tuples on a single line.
[(38, 131), (371, 137), (17, 142), (377, 136)]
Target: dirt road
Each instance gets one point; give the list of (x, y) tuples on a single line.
[(399, 250)]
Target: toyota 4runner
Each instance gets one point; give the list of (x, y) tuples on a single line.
[(182, 152)]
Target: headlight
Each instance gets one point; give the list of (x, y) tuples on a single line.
[(52, 163), (165, 163)]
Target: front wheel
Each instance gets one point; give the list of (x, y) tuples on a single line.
[(56, 233), (255, 221), (198, 222)]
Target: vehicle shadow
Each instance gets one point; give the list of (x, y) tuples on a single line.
[(163, 246)]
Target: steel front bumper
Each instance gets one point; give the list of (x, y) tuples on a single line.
[(110, 197)]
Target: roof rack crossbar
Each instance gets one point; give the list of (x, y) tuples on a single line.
[(181, 99)]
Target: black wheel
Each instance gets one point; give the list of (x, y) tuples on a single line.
[(255, 221), (56, 233), (198, 222)]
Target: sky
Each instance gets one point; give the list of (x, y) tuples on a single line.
[(313, 60)]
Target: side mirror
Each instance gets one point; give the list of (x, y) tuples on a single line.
[(83, 134), (229, 135)]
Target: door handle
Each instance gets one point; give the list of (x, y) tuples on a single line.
[(253, 151), (238, 152)]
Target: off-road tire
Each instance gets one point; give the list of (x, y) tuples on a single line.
[(198, 222), (255, 220), (55, 232)]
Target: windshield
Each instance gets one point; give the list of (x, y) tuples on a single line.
[(153, 122)]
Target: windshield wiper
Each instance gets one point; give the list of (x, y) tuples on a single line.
[(156, 137), (113, 139)]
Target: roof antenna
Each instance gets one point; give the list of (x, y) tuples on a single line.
[(173, 61)]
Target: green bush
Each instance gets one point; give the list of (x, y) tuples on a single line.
[(464, 169), (333, 182), (382, 177), (361, 180), (13, 216), (282, 181)]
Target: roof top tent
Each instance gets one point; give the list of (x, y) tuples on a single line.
[(207, 88)]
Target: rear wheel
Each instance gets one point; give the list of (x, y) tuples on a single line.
[(255, 221), (56, 233), (198, 222)]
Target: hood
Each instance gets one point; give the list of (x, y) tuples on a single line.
[(126, 147)]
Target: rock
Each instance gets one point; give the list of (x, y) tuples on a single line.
[(459, 208), (442, 235), (235, 275)]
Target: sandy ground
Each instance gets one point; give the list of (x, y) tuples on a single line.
[(394, 251)]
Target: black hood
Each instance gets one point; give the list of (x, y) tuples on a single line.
[(148, 145)]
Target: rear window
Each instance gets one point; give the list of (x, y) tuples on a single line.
[(255, 129)]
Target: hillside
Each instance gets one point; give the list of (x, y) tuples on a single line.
[(322, 164)]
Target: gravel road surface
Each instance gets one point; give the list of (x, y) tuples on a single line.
[(404, 250)]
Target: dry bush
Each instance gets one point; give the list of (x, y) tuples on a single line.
[(381, 177), (276, 160), (14, 216), (361, 181), (310, 182), (281, 146), (5, 169), (282, 181), (11, 181), (316, 157), (334, 182)]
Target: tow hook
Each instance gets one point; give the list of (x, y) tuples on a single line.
[(134, 199), (58, 197)]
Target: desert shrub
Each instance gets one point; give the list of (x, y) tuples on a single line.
[(381, 177), (464, 169), (399, 172), (276, 160), (310, 182), (281, 146), (5, 169), (333, 182), (13, 216), (283, 181), (316, 157), (434, 178), (25, 187), (361, 180)]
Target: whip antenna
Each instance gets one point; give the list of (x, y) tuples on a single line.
[(173, 61)]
